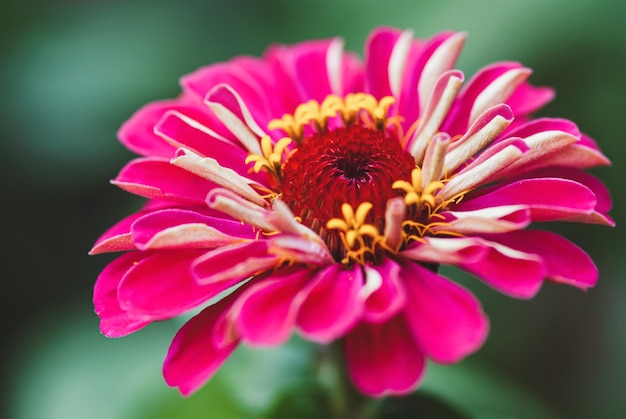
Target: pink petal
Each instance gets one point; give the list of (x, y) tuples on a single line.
[(231, 264), (312, 73), (483, 131), (548, 199), (237, 77), (118, 237), (600, 191), (449, 250), (138, 132), (468, 105), (114, 321), (244, 122), (426, 61), (378, 50), (439, 56), (158, 179), (389, 297), (331, 304), (161, 286), (564, 261), (266, 313), (498, 219), (193, 356), (182, 131), (528, 98), (178, 228), (383, 358), (446, 320), (512, 272)]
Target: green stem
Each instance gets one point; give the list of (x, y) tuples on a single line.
[(345, 400)]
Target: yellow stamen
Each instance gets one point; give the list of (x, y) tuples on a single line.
[(422, 198), (272, 159), (358, 237), (352, 108)]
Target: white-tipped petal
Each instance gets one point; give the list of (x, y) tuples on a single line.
[(397, 61), (482, 132), (239, 208), (442, 60), (373, 281), (334, 54), (208, 168), (498, 91), (469, 179), (439, 104), (244, 129), (394, 216), (433, 165)]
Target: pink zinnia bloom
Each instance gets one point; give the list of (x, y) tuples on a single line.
[(329, 190)]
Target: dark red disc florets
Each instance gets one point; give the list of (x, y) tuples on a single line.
[(354, 164)]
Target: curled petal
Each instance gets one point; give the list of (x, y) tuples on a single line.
[(118, 237), (156, 178), (481, 172), (209, 169), (498, 219), (482, 132), (178, 228), (239, 208), (450, 251), (389, 297), (228, 106), (548, 199), (229, 265)]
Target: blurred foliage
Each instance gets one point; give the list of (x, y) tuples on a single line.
[(71, 71)]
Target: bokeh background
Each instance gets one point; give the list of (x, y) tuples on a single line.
[(71, 71)]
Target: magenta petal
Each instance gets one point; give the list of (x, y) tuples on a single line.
[(332, 304), (232, 264), (311, 69), (564, 261), (118, 237), (181, 131), (138, 132), (389, 298), (178, 228), (446, 320), (600, 191), (517, 274), (161, 286), (193, 356), (528, 98), (548, 199), (383, 358), (114, 321), (266, 313), (378, 49), (236, 75), (156, 178)]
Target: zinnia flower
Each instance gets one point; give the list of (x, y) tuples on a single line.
[(326, 191)]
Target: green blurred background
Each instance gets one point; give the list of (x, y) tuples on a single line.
[(71, 71)]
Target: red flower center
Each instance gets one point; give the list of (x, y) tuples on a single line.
[(353, 164)]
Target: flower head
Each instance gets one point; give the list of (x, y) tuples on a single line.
[(327, 191)]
